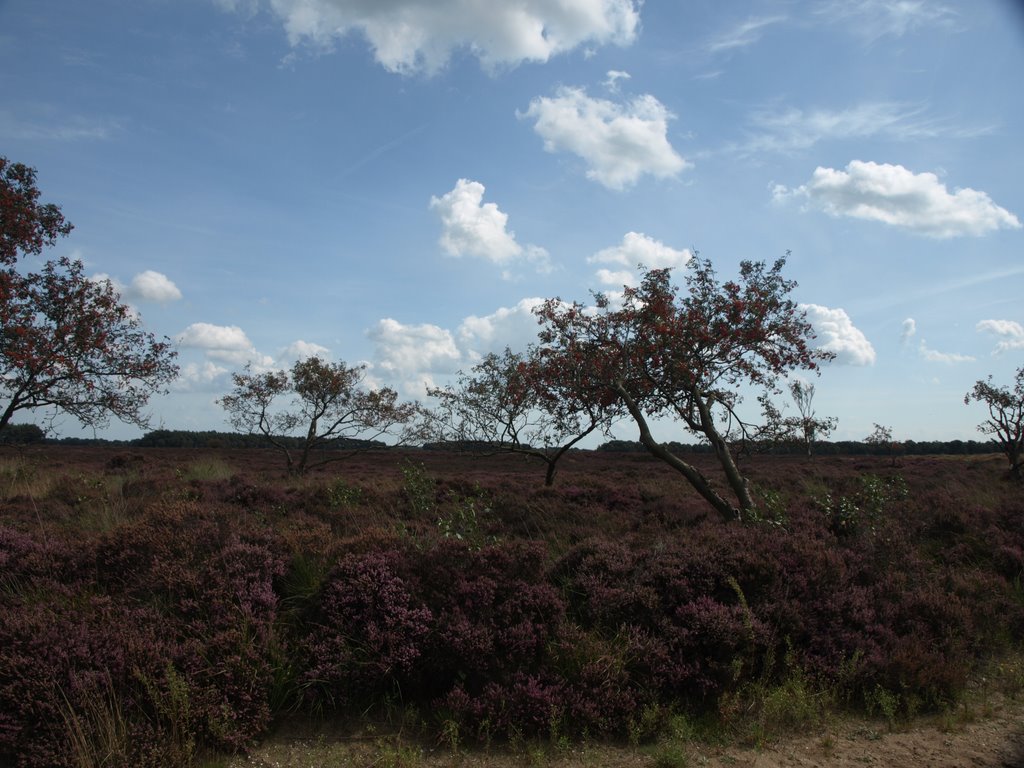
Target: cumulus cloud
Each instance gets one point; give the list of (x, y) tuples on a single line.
[(226, 343), (153, 286), (410, 36), (514, 327), (1009, 332), (199, 376), (891, 194), (636, 249), (908, 330), (473, 228), (619, 142), (934, 356), (413, 354), (145, 286), (301, 350), (837, 334)]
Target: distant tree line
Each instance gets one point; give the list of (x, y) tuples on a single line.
[(831, 448)]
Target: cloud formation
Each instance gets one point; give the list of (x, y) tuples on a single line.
[(226, 343), (793, 130), (411, 36), (875, 19), (302, 350), (894, 195), (745, 33), (145, 286), (619, 142), (473, 228), (909, 329), (948, 358), (636, 249), (1009, 332), (514, 327), (413, 354), (837, 334)]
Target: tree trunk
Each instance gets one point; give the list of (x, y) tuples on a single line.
[(690, 472), (735, 478)]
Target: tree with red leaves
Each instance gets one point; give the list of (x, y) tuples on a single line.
[(1006, 418), (685, 355), (67, 343)]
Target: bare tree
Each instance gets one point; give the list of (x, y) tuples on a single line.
[(521, 403), (326, 406), (807, 426)]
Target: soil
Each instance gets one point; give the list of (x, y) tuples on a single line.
[(990, 736)]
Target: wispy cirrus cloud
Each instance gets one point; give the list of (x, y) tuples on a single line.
[(743, 34), (790, 129), (875, 19)]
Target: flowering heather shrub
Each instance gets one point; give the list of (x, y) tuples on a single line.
[(525, 705), (58, 650), (364, 635), (494, 612)]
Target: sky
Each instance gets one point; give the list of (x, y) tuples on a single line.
[(398, 183)]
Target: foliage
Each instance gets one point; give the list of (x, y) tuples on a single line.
[(327, 402), (685, 355), (518, 403), (1006, 418), (67, 342)]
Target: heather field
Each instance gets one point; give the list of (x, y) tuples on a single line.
[(163, 607)]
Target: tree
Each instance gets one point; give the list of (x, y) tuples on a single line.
[(685, 354), (807, 426), (327, 406), (67, 343), (517, 403), (1006, 417), (881, 439)]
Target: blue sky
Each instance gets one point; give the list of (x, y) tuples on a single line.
[(398, 183)]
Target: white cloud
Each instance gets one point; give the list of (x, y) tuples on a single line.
[(1011, 334), (405, 350), (612, 80), (743, 34), (410, 36), (301, 350), (908, 330), (837, 334), (619, 142), (199, 376), (934, 356), (145, 286), (226, 343), (791, 130), (894, 195), (471, 227), (153, 286), (636, 249), (514, 327)]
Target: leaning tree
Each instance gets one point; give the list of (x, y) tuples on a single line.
[(686, 354), (1006, 417), (67, 343), (324, 405)]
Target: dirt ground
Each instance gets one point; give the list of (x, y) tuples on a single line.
[(991, 736)]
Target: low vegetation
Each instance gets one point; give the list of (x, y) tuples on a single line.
[(158, 607)]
